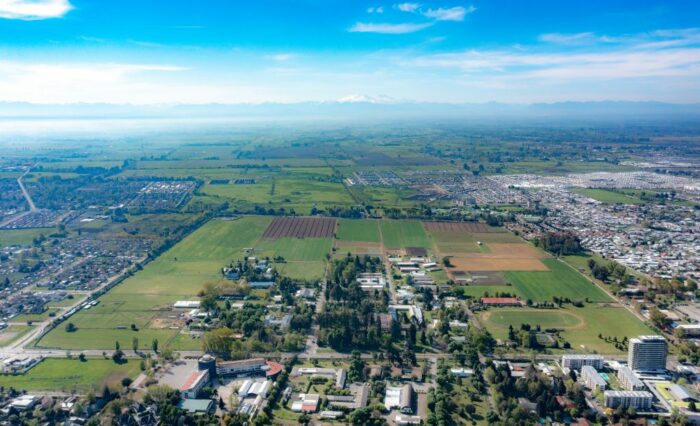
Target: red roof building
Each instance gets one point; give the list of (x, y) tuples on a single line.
[(501, 301)]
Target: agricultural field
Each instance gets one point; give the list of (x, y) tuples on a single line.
[(400, 234), (358, 230), (295, 193), (300, 227), (580, 326), (72, 375), (146, 299)]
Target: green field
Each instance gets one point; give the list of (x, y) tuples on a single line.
[(22, 237), (399, 234), (358, 230), (145, 299), (455, 242), (581, 326), (304, 257), (291, 193), (609, 197), (70, 375), (13, 333), (295, 249), (561, 281)]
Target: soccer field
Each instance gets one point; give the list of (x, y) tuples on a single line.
[(561, 281)]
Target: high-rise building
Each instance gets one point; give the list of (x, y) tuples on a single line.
[(647, 353)]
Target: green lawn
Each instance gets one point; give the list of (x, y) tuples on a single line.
[(610, 197), (561, 281), (22, 237), (72, 375), (399, 234), (581, 325), (145, 299), (359, 230)]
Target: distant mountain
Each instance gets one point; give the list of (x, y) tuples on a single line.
[(362, 107)]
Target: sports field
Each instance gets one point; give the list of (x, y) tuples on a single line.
[(580, 326), (72, 375), (561, 281)]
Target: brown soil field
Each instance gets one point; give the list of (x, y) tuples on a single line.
[(468, 227), (300, 227), (356, 247)]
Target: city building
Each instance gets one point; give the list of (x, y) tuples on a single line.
[(592, 378), (195, 383), (241, 367), (647, 353), (400, 397), (576, 362), (689, 330), (628, 379), (639, 400)]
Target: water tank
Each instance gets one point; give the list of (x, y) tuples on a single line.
[(207, 362)]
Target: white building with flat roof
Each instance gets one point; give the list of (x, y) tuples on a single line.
[(592, 379), (639, 400), (628, 379), (576, 362)]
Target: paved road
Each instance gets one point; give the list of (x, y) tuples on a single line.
[(32, 207)]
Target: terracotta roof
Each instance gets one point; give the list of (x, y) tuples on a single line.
[(193, 379), (500, 301), (274, 368)]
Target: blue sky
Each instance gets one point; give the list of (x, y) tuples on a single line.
[(155, 51)]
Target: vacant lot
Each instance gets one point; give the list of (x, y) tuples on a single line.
[(359, 230), (399, 234), (560, 281), (72, 375), (301, 227)]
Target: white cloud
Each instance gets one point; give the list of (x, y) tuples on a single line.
[(31, 10), (407, 7), (449, 14), (282, 57), (378, 9), (569, 39), (402, 28)]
